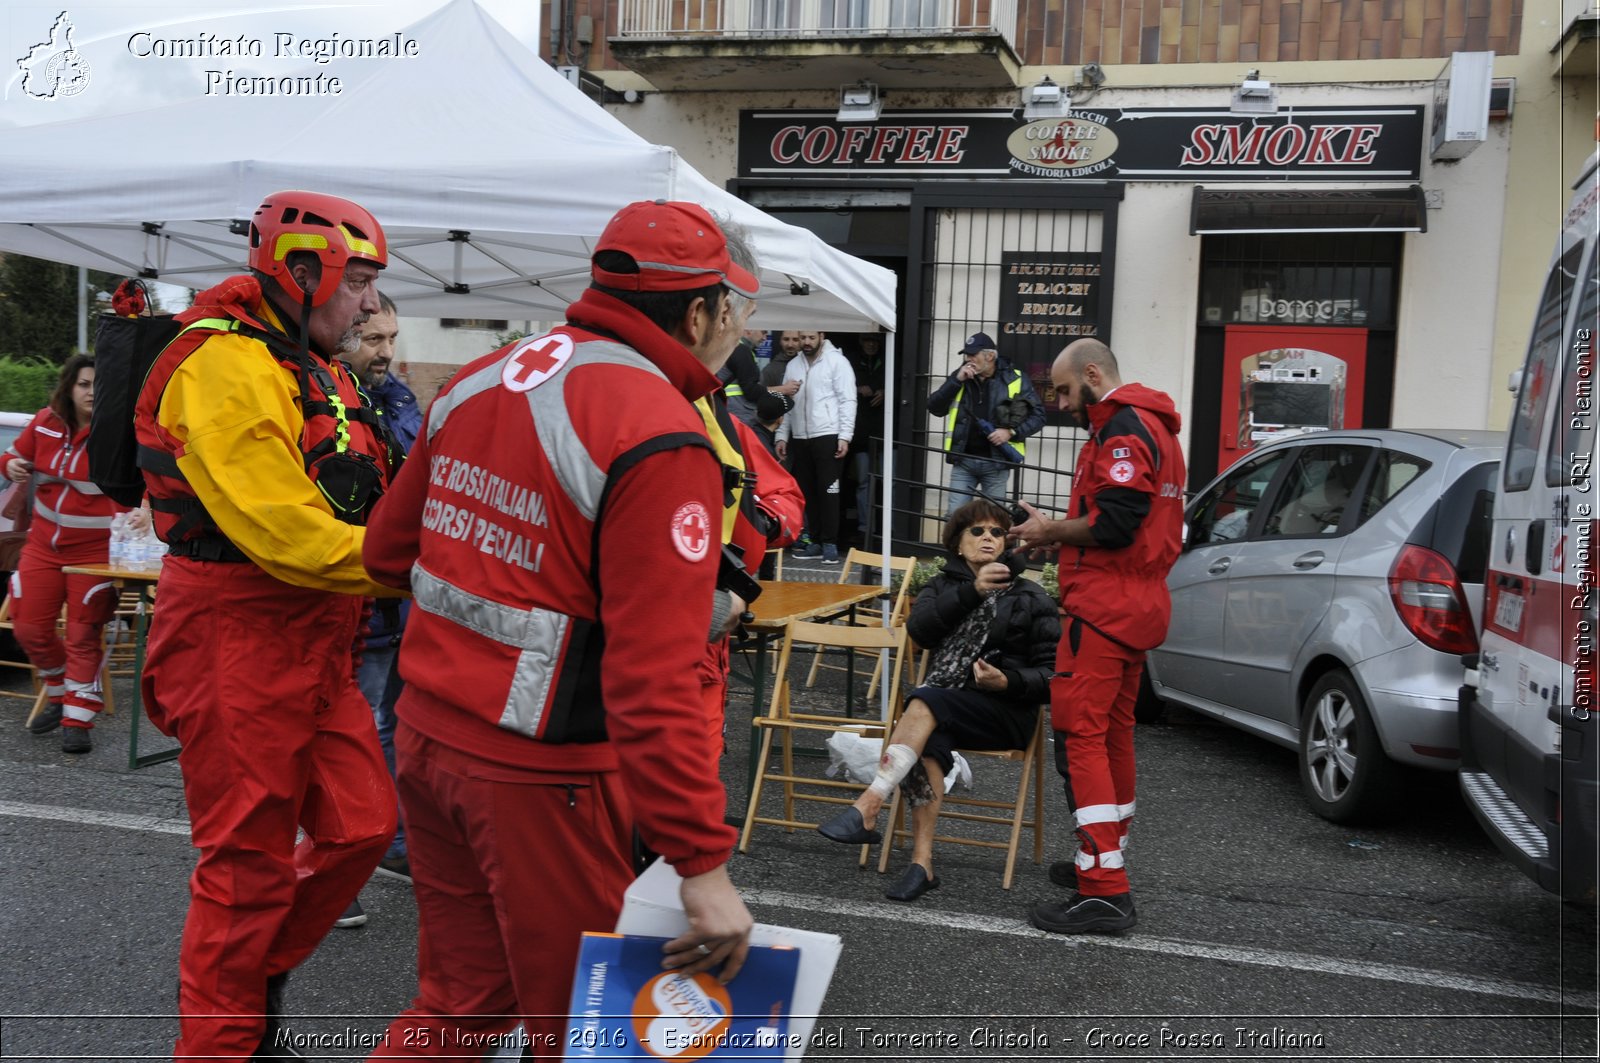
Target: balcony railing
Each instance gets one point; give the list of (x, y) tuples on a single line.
[(815, 19)]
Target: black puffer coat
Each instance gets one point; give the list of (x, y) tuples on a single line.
[(1026, 627)]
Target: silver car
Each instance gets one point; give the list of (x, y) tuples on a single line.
[(1327, 587)]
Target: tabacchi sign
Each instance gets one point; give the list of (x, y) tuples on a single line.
[(1147, 144)]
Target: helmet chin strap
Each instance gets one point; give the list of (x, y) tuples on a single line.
[(305, 352)]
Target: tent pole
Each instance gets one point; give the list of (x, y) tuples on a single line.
[(886, 486), (83, 310)]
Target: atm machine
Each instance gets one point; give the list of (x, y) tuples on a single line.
[(1288, 380)]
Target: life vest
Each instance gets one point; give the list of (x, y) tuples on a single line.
[(1013, 389), (735, 477), (343, 441)]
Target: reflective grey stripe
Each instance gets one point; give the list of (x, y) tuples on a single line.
[(581, 479), (476, 384), (85, 487), (538, 633), (62, 521)]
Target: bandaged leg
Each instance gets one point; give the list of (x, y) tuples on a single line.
[(896, 761)]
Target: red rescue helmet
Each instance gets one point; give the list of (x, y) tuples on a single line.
[(336, 230)]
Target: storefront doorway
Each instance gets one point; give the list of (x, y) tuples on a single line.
[(1296, 332)]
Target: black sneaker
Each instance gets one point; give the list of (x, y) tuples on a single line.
[(353, 916), (394, 867), (48, 719), (1064, 873), (1086, 915), (76, 740), (276, 1041), (276, 984)]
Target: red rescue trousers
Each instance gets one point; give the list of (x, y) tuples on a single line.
[(71, 669), (254, 677), (510, 866), (1093, 708)]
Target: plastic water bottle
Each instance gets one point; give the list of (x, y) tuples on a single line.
[(118, 557)]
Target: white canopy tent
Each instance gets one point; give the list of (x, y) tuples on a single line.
[(491, 174)]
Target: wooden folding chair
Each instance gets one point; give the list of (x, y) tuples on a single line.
[(782, 718), (1011, 814), (34, 696), (121, 633), (37, 697), (899, 605)]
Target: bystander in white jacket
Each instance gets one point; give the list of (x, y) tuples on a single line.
[(825, 405)]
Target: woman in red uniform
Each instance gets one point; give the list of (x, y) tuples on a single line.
[(71, 526)]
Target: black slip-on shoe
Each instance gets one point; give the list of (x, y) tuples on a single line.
[(913, 884), (76, 740), (48, 720), (1085, 915), (848, 828)]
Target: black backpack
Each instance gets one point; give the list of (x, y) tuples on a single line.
[(124, 350)]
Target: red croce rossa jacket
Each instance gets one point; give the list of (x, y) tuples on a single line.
[(556, 521), (1129, 484), (68, 509)]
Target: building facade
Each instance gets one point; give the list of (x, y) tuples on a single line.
[(1260, 204)]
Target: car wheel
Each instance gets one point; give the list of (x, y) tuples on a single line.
[(1148, 708), (1346, 775)]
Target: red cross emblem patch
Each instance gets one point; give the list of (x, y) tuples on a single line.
[(691, 531), (534, 361)]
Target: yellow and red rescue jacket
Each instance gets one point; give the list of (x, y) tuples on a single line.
[(232, 446)]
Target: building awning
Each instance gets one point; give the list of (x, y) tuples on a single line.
[(1308, 210)]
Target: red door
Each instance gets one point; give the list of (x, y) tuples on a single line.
[(1286, 378)]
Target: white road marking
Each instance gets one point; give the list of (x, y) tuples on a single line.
[(90, 817), (1296, 961)]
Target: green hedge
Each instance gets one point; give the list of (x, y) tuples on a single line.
[(26, 383)]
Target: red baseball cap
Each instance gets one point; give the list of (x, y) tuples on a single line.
[(678, 246)]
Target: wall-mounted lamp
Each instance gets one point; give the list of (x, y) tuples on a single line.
[(1254, 95), (1044, 100), (859, 103)]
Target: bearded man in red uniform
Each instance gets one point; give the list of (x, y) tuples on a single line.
[(1122, 532), (558, 523), (261, 464)]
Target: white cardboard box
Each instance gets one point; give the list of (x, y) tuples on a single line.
[(651, 906)]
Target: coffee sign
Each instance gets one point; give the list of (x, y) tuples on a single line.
[(1127, 144), (1079, 143)]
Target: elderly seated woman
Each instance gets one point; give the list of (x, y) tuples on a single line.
[(993, 639)]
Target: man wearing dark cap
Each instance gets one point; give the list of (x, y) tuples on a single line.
[(770, 410), (989, 407), (558, 523)]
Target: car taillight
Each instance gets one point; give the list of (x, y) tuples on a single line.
[(1430, 601)]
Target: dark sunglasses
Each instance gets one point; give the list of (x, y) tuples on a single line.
[(977, 531)]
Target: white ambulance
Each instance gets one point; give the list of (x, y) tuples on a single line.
[(1529, 723)]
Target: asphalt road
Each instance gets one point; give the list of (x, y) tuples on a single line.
[(1264, 931)]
